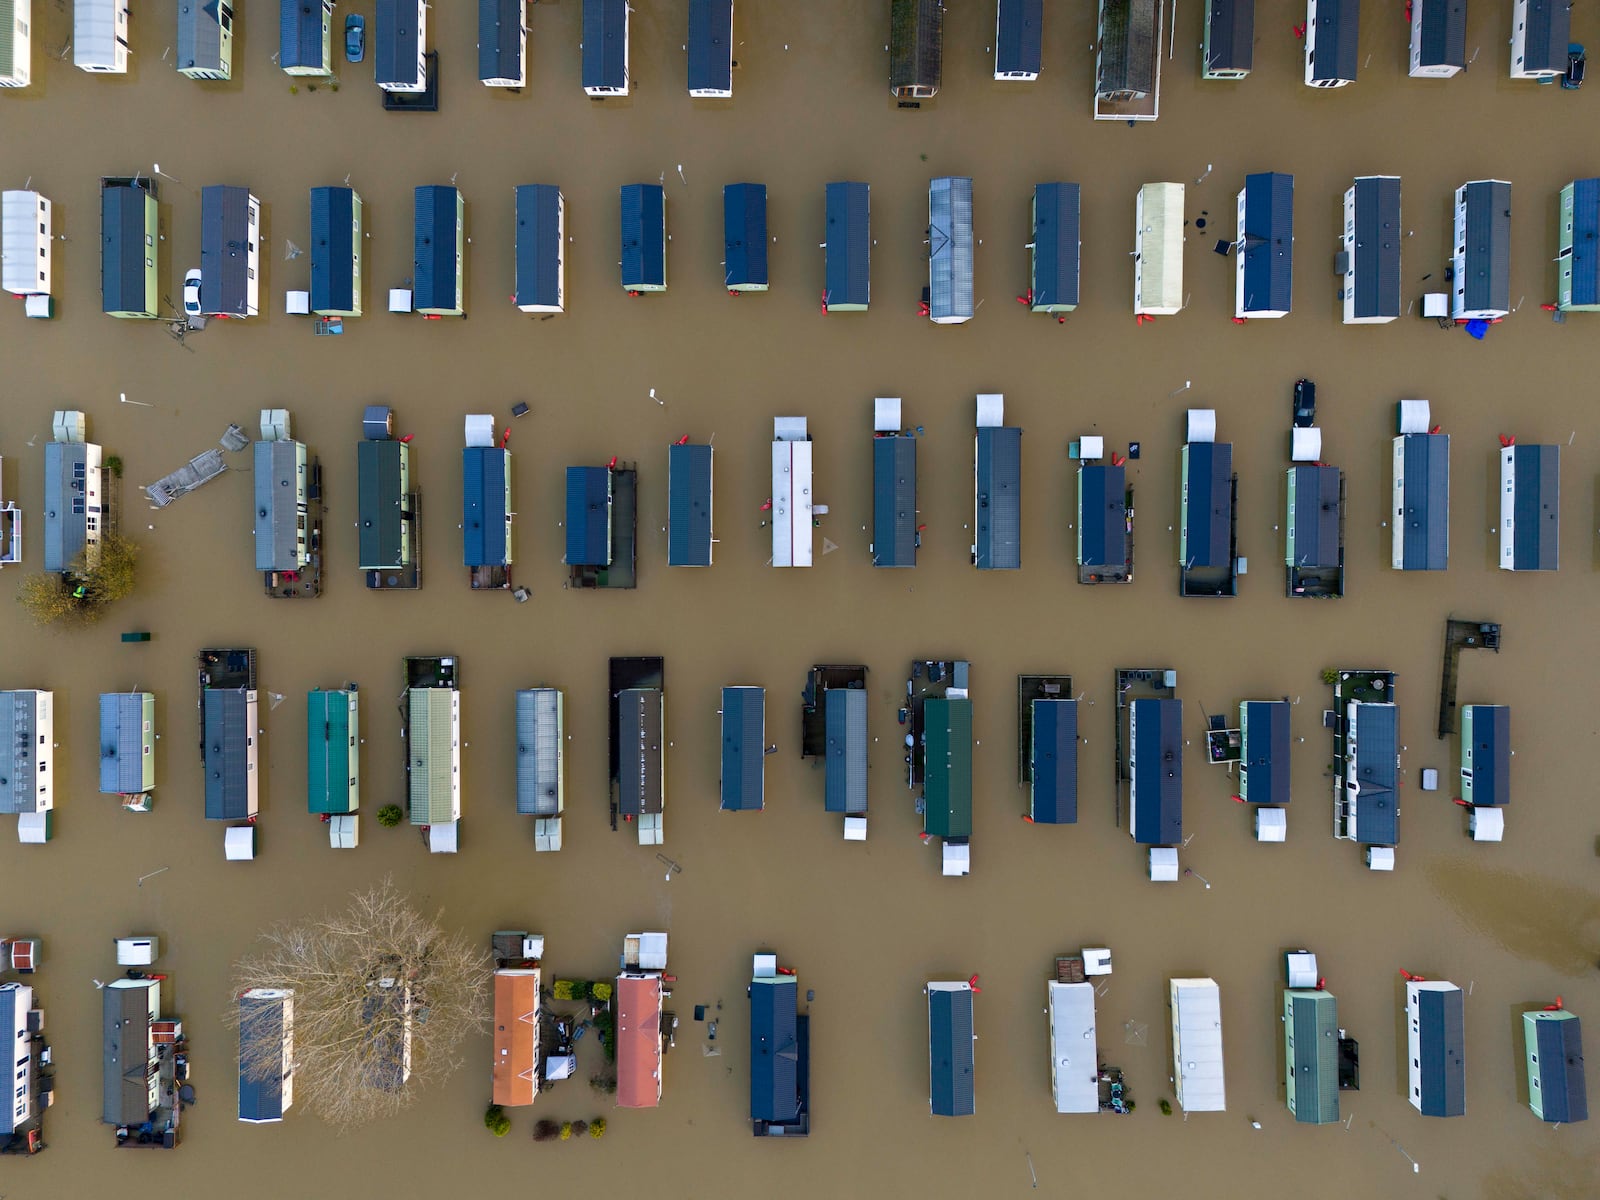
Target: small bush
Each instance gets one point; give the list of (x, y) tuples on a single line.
[(603, 1083), (566, 1130), (600, 993), (1166, 1107), (579, 1128), (496, 1121), (1330, 676), (597, 1128), (390, 815), (113, 466), (545, 1130)]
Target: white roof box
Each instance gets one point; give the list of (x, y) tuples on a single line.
[(1272, 825), (1486, 824), (239, 843), (789, 429), (1164, 864), (991, 409), (957, 858), (1202, 425), (1301, 967), (140, 950), (480, 429), (1414, 416), (1307, 445), (765, 966), (886, 415), (69, 425), (1096, 960), (855, 829), (344, 831), (1380, 858), (445, 838), (652, 951), (1091, 447)]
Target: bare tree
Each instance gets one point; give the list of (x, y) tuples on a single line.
[(382, 999)]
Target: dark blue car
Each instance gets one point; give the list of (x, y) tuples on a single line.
[(355, 37)]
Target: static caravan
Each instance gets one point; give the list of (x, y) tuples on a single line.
[(894, 488), (1055, 249), (1333, 33), (486, 511), (434, 737), (641, 771), (1127, 61), (230, 753), (1105, 512), (996, 488), (1367, 809), (387, 1013), (744, 237), (541, 258), (1439, 39), (844, 713), (744, 742), (16, 47), (74, 487), (439, 251), (1436, 1047), (131, 1079), (1371, 282), (1314, 531), (514, 1076), (1482, 259), (27, 785), (16, 1006), (333, 751), (541, 772), (951, 1047), (335, 252), (1553, 1040), (1264, 250), (100, 36), (791, 493), (1539, 33), (386, 505), (644, 237), (1018, 38), (1196, 1006), (230, 252), (1228, 47), (1420, 517), (130, 222), (1578, 247), (947, 769), (205, 39), (605, 48), (1486, 754), (780, 1052), (950, 250), (1158, 250), (711, 49), (1530, 507), (25, 237), (1074, 1061), (502, 43), (916, 48), (847, 283), (305, 37), (282, 524), (689, 539), (1311, 1055), (639, 1050), (400, 45), (127, 743), (1207, 512), (1155, 770), (1264, 751), (266, 1054), (1053, 762)]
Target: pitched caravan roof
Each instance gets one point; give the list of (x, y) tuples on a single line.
[(122, 248), (225, 237), (774, 1049), (1127, 47), (644, 223), (125, 1006), (435, 236), (1584, 262), (397, 33), (484, 481), (1488, 244), (1312, 1027), (1265, 750), (300, 34), (894, 502), (227, 737), (711, 46), (199, 35), (1268, 241), (1440, 1037), (15, 1001), (999, 497), (515, 1070), (1056, 229), (333, 725), (849, 248), (19, 766), (1557, 1043), (502, 39), (1337, 33), (1425, 502), (744, 234), (539, 749), (950, 1050), (127, 743), (744, 730), (1197, 1044), (1019, 29), (434, 744), (1102, 515), (689, 505), (1376, 768), (1159, 244), (916, 45), (605, 43), (264, 1034), (1054, 762), (950, 248), (1074, 1060), (334, 251), (845, 728), (1443, 40), (1156, 733), (68, 503), (947, 767), (280, 485), (1231, 25), (380, 495), (1536, 506), (1207, 504), (1377, 246), (588, 516), (1549, 25), (539, 250), (638, 1041), (639, 741), (1315, 530), (1490, 745)]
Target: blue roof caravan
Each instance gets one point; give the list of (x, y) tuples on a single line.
[(1530, 507), (486, 511), (400, 45), (1370, 289), (1053, 279), (1264, 249), (644, 238), (847, 285), (1155, 771), (1018, 34), (1333, 29), (1553, 1041), (439, 251), (744, 237), (744, 745), (950, 244), (1105, 515), (266, 1054), (1208, 511), (997, 488), (602, 526), (1578, 247), (1539, 33), (335, 252), (1047, 748), (780, 1052), (1439, 39), (1365, 723), (833, 728), (1227, 49), (1436, 1045), (951, 1045), (605, 48), (389, 531), (130, 223), (74, 491), (205, 39), (1420, 511), (638, 745), (230, 251), (1481, 264), (541, 254), (127, 747), (689, 530), (895, 536), (711, 49), (502, 43), (305, 37)]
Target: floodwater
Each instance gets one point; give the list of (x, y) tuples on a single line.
[(864, 925)]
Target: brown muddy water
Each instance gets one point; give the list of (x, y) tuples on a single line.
[(864, 925)]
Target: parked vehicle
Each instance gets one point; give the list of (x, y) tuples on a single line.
[(355, 38), (1577, 60), (191, 292)]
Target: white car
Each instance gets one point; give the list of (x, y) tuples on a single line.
[(191, 292)]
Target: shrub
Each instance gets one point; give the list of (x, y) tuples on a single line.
[(496, 1121), (1330, 676), (603, 1083), (579, 1128), (597, 1128), (390, 815), (113, 465), (1166, 1106), (566, 1130), (545, 1130), (600, 993)]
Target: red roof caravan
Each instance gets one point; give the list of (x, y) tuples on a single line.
[(516, 1036), (638, 1040)]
